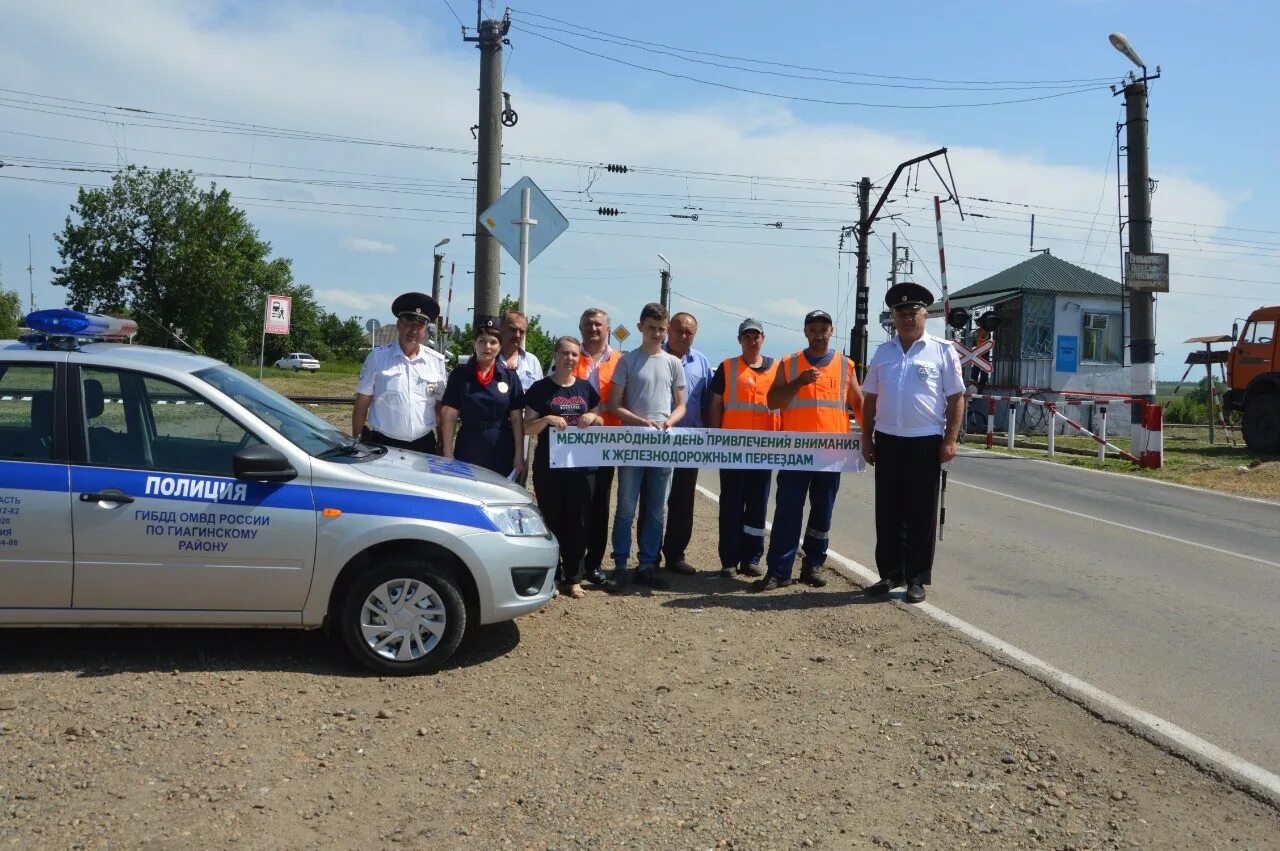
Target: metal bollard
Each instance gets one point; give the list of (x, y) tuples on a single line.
[(1053, 425), (1102, 432), (991, 422), (1013, 421)]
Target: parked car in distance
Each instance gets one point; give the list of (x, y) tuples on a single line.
[(297, 361)]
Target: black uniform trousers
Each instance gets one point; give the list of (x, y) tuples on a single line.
[(565, 500), (598, 520), (426, 443), (744, 505), (907, 476)]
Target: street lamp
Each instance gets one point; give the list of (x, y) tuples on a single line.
[(1120, 43), (664, 293)]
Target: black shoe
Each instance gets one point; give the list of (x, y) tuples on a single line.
[(812, 576), (880, 589), (649, 576), (915, 593), (618, 582), (726, 573), (770, 582), (596, 576), (681, 567), (751, 570)]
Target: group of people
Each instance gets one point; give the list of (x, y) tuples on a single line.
[(909, 406)]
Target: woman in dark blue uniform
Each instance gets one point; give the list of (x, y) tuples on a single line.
[(489, 401)]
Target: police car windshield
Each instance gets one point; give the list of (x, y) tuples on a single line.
[(296, 424)]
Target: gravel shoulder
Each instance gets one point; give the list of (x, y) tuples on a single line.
[(702, 717)]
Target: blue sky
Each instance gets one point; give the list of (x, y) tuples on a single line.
[(398, 71)]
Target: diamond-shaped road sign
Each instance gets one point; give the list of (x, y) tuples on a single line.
[(502, 219), (978, 355)]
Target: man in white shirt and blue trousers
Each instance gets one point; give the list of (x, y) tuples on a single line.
[(914, 399)]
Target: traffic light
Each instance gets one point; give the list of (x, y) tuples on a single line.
[(958, 318), (989, 322)]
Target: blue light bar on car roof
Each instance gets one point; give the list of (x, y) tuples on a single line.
[(61, 322)]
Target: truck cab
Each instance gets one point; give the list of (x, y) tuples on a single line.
[(1253, 373)]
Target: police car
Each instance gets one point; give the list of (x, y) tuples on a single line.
[(145, 486)]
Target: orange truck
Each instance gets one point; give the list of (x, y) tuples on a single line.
[(1253, 376)]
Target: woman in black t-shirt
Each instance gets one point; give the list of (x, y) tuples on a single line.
[(562, 400), (486, 396)]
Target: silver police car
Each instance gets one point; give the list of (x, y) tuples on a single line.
[(145, 486)]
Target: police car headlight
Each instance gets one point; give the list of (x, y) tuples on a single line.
[(518, 520)]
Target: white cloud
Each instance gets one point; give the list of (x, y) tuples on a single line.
[(368, 246), (349, 301)]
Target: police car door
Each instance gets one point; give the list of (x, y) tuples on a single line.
[(160, 521), (35, 508)]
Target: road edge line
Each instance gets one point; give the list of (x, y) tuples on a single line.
[(1206, 756), (1201, 490)]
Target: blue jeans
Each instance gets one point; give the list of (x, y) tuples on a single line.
[(788, 510), (656, 483)]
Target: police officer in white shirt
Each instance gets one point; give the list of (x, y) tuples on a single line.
[(402, 383), (914, 398)]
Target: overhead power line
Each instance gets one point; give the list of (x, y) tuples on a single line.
[(810, 68), (824, 77), (801, 98)]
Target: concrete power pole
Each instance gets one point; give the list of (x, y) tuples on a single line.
[(858, 339), (435, 278), (489, 161), (893, 259), (31, 281), (1142, 324), (664, 292)]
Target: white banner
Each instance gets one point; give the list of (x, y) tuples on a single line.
[(737, 449)]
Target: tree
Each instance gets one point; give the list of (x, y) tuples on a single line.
[(345, 340), (173, 256), (10, 313), (537, 342)]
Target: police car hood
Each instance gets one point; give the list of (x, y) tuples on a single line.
[(439, 474)]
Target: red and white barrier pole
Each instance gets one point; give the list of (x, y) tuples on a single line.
[(991, 421)]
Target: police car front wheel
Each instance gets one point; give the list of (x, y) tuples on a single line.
[(403, 617)]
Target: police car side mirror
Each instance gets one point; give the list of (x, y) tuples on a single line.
[(262, 463)]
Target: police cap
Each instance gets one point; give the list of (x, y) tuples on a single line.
[(907, 294), (418, 306)]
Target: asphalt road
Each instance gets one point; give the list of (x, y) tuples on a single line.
[(1166, 597)]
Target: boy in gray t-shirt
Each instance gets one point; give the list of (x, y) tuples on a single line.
[(647, 391)]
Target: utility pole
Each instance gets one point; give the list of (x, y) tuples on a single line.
[(664, 286), (1142, 322), (858, 338), (31, 281), (893, 260), (435, 278), (490, 38)]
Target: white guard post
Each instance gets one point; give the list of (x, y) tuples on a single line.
[(1102, 432), (525, 222), (1012, 431)]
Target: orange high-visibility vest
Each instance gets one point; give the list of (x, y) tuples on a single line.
[(746, 395), (819, 406), (604, 374)]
